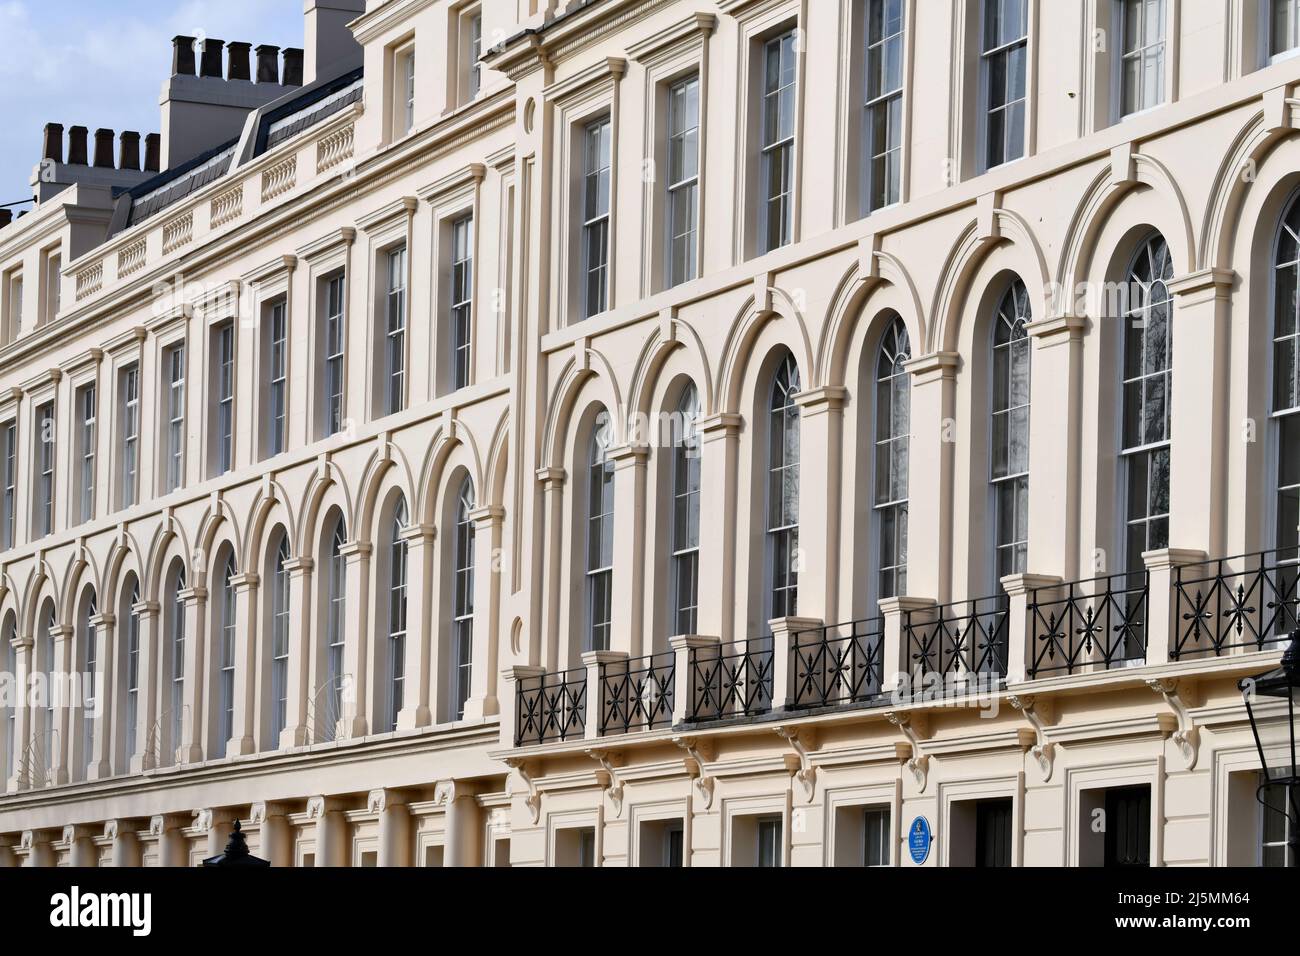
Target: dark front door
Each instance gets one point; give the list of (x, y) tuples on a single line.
[(993, 833), (1128, 826)]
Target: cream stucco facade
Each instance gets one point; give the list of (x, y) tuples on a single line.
[(367, 497)]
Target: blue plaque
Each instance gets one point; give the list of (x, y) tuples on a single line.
[(919, 840)]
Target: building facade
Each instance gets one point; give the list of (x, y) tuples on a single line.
[(464, 439)]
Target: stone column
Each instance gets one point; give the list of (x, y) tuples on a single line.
[(683, 683), (1019, 588), (464, 824), (1198, 473), (82, 851), (418, 666), (274, 837), (593, 661), (394, 827), (719, 450), (628, 598), (36, 843), (168, 830), (22, 776), (300, 687), (126, 843), (897, 666), (331, 831), (1056, 385), (1162, 603), (356, 641), (217, 824), (487, 570), (929, 516), (785, 631), (62, 694), (189, 749), (552, 576), (8, 859), (146, 733), (101, 761), (244, 737), (821, 444)]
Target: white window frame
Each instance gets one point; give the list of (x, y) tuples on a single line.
[(781, 531), (397, 619), (9, 484), (883, 99), (1011, 313), (224, 419), (889, 507), (46, 457), (683, 190), (462, 603), (1123, 55), (130, 415), (684, 560), (462, 301), (87, 403), (985, 57), (174, 405), (596, 165), (599, 568), (395, 316), (772, 145)]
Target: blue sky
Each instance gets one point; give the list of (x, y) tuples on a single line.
[(102, 63)]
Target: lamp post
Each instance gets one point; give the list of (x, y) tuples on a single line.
[(236, 852), (1281, 782)]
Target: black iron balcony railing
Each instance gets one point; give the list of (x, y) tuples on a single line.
[(731, 680), (1098, 624), (839, 664), (1244, 603), (637, 694), (955, 641), (551, 707)]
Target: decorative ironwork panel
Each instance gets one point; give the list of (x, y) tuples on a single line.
[(731, 680), (551, 707), (1243, 603), (838, 664), (1097, 624), (637, 694), (957, 641)]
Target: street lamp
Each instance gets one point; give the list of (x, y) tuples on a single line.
[(236, 852), (1280, 779)]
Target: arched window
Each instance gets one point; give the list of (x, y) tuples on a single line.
[(686, 514), (1010, 410), (335, 616), (783, 492), (280, 642), (11, 712), (396, 614), (1148, 378), (131, 678), (1286, 385), (176, 658), (52, 675), (600, 536), (89, 661), (892, 442), (226, 660), (463, 601)]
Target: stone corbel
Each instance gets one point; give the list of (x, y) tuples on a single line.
[(1042, 750), (917, 763), (534, 799), (800, 764), (695, 769), (608, 779), (1187, 736)]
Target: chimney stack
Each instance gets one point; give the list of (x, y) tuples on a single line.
[(210, 63), (268, 64), (104, 148), (130, 154), (238, 58), (152, 152), (331, 48), (182, 56), (6, 217), (77, 146), (53, 142), (292, 66)]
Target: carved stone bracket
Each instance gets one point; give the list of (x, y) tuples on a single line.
[(1042, 750), (695, 768), (1187, 736), (608, 778), (803, 771), (917, 763), (534, 799)]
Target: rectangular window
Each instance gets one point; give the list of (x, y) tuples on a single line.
[(174, 363), (395, 336), (334, 346), (683, 179), (43, 517), (86, 408), (9, 449), (1277, 836), (777, 146), (768, 831), (1284, 27), (1142, 63), (225, 396), (595, 218), (686, 532), (462, 298), (53, 285), (405, 91), (883, 124), (130, 399), (475, 51), (1004, 56), (875, 836), (14, 306), (277, 381)]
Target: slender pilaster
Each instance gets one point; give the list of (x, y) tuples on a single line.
[(101, 760), (929, 522), (194, 604), (62, 689), (22, 776), (146, 729), (720, 449), (628, 599), (394, 826), (243, 726), (300, 686), (418, 667), (487, 573), (821, 442), (356, 642)]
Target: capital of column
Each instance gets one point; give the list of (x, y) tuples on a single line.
[(191, 596), (551, 478), (1017, 584), (418, 533), (298, 566), (817, 401), (146, 609), (61, 633), (107, 619), (489, 516), (1056, 329), (318, 806), (259, 813), (1202, 285), (722, 425), (356, 549), (246, 582), (377, 801), (22, 642), (937, 366), (628, 456)]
